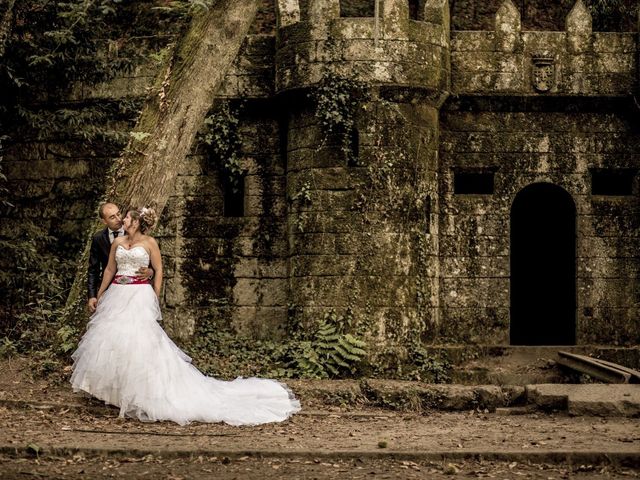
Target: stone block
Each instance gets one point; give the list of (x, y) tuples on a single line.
[(474, 292), (579, 28), (339, 178), (614, 63), (174, 294), (537, 42), (486, 224), (608, 42), (259, 83), (266, 292), (325, 222), (261, 323), (507, 27), (255, 205), (313, 243), (608, 225), (342, 291), (474, 41), (252, 267), (287, 12), (32, 189), (475, 325), (607, 325), (608, 292), (475, 266), (322, 265), (366, 243), (608, 267), (589, 246)]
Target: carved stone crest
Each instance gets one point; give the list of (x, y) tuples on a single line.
[(543, 73)]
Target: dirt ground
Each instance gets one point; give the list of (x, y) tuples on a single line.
[(267, 469), (47, 431)]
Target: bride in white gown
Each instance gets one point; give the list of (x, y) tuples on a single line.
[(126, 359)]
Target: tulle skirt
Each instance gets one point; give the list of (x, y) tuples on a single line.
[(126, 359)]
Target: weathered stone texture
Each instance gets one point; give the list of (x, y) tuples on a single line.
[(527, 147), (385, 238), (582, 62), (392, 50)]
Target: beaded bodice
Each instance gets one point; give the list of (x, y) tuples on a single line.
[(129, 261)]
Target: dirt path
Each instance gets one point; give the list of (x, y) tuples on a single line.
[(47, 431), (223, 468)]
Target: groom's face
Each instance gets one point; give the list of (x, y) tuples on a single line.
[(111, 216)]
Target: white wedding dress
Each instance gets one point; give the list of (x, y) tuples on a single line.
[(126, 359)]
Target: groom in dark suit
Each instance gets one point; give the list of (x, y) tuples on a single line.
[(100, 247)]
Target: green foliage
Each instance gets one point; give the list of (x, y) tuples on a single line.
[(303, 194), (220, 134), (411, 362), (337, 100), (55, 48), (32, 289), (612, 15), (330, 353), (8, 348)]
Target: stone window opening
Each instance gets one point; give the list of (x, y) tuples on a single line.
[(354, 149), (427, 214), (233, 198), (612, 181), (357, 8), (473, 182), (416, 10)]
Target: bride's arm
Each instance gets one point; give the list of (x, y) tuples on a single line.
[(110, 269), (156, 263)]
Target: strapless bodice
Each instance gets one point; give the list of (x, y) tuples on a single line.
[(130, 261)]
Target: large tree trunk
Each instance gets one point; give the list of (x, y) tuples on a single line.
[(184, 92)]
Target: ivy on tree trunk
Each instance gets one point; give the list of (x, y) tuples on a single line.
[(182, 95)]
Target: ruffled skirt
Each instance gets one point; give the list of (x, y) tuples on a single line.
[(126, 359)]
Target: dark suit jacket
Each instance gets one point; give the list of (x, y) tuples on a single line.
[(98, 258)]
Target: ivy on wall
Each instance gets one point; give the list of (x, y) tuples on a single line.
[(52, 51), (220, 134), (337, 100)]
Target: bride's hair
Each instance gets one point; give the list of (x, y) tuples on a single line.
[(146, 216)]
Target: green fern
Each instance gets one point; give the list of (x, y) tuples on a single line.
[(330, 353)]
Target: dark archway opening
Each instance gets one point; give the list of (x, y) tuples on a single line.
[(543, 267)]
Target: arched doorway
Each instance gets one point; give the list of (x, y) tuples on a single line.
[(543, 266)]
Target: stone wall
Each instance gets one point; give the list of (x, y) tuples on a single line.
[(383, 240), (230, 270), (506, 60), (530, 127), (524, 146)]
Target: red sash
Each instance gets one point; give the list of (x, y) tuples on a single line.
[(127, 280)]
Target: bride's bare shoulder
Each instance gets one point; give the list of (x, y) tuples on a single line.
[(151, 241)]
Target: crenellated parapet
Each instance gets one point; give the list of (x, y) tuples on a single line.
[(388, 48), (576, 61)]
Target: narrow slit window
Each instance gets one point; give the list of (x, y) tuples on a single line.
[(415, 9), (357, 8), (473, 183), (233, 199), (354, 151), (427, 214), (612, 182)]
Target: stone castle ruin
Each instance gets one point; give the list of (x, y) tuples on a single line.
[(488, 192)]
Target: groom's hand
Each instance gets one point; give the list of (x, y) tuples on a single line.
[(145, 273), (91, 304)]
